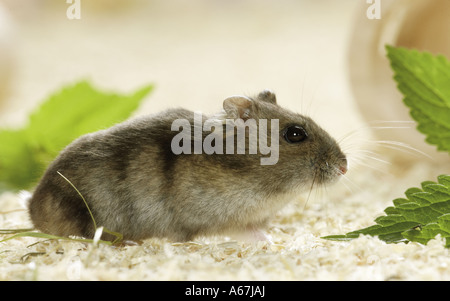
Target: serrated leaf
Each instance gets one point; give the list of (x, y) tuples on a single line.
[(411, 191), (67, 114), (18, 165), (424, 214), (439, 188), (400, 201), (423, 234), (389, 219), (77, 110), (444, 222), (391, 211), (424, 81), (444, 180)]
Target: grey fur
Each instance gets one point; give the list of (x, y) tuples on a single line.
[(135, 185)]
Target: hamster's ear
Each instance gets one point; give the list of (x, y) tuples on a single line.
[(238, 107), (268, 96)]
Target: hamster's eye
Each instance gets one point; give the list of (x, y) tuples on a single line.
[(295, 134)]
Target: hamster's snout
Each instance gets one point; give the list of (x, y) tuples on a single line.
[(343, 167)]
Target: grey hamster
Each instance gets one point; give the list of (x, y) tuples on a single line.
[(135, 184)]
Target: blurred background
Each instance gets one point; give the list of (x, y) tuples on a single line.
[(324, 58)]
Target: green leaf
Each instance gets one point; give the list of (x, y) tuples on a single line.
[(18, 164), (424, 80), (423, 214), (78, 110), (67, 114)]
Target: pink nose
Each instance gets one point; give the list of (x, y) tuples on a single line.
[(343, 168)]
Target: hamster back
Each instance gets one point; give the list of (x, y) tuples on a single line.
[(180, 175)]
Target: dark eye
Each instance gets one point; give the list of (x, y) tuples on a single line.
[(295, 134)]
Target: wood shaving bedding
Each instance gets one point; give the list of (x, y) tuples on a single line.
[(296, 251)]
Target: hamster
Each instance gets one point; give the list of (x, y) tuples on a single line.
[(136, 184)]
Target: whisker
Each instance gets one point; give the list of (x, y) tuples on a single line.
[(351, 134), (362, 130), (362, 150), (396, 145), (345, 178), (393, 122), (311, 189), (360, 162), (383, 125), (302, 94), (370, 155), (349, 184)]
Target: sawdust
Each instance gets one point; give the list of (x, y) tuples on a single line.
[(197, 55), (296, 250)]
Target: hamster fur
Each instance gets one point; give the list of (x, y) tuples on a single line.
[(134, 184)]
